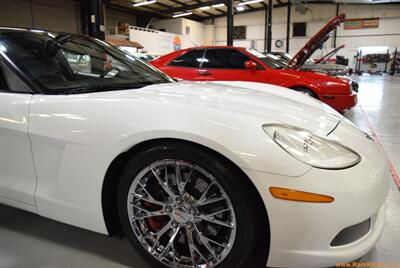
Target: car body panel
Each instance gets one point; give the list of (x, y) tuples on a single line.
[(17, 177), (319, 83), (65, 141)]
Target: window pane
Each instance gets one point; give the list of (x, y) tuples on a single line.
[(299, 29), (60, 63), (239, 32), (2, 81), (224, 59), (190, 59)]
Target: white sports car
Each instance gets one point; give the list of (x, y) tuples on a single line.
[(223, 174)]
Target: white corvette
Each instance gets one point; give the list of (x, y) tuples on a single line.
[(224, 174)]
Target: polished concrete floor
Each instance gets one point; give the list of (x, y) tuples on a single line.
[(27, 240)]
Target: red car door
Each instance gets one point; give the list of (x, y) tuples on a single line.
[(229, 64), (185, 66)]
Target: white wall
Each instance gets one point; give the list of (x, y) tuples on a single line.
[(388, 32), (158, 42), (178, 26)]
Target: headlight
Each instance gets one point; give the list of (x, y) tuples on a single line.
[(312, 149)]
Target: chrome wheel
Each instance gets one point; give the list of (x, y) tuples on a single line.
[(181, 215)]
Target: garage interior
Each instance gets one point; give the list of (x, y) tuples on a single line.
[(371, 50)]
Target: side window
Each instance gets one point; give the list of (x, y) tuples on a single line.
[(11, 82), (191, 59), (224, 59), (3, 84)]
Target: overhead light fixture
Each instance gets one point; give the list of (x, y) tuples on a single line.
[(204, 8), (250, 2), (240, 8), (182, 14), (218, 5), (144, 3)]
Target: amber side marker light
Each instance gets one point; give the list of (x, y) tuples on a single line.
[(294, 195)]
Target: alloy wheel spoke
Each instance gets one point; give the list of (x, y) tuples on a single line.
[(159, 234), (210, 201), (149, 200), (149, 196), (204, 194), (188, 177), (189, 235), (215, 221), (179, 180), (214, 242), (144, 213), (164, 185), (218, 212), (170, 243), (205, 243)]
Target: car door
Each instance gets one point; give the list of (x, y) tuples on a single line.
[(185, 66), (17, 173), (229, 64)]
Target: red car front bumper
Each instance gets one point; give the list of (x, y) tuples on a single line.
[(340, 102)]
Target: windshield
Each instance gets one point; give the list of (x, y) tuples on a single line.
[(73, 63), (271, 63)]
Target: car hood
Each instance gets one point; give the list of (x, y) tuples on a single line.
[(315, 42), (267, 103)]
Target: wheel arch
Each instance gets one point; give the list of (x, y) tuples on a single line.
[(312, 89), (114, 171)]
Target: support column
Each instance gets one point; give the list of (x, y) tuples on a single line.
[(269, 26), (265, 28), (229, 4), (92, 16), (289, 7)]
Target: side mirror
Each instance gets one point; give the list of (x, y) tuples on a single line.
[(250, 65)]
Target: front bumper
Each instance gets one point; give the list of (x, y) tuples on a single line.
[(302, 233), (340, 102)]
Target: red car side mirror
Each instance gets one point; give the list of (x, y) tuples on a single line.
[(250, 65)]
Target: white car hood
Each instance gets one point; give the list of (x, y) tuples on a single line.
[(270, 104)]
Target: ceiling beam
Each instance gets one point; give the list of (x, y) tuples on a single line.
[(220, 11), (178, 2), (163, 5)]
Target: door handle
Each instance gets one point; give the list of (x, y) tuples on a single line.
[(204, 72)]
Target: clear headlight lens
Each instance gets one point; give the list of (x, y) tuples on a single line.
[(312, 149)]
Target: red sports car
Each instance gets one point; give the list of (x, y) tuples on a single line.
[(216, 63)]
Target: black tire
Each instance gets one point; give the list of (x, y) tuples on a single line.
[(251, 245), (306, 91)]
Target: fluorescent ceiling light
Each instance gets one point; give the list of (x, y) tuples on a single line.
[(240, 8), (182, 14), (218, 5), (144, 3), (204, 8), (250, 2)]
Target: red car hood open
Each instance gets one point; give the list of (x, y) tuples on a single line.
[(315, 42)]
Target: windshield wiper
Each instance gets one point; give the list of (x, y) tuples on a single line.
[(102, 88)]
